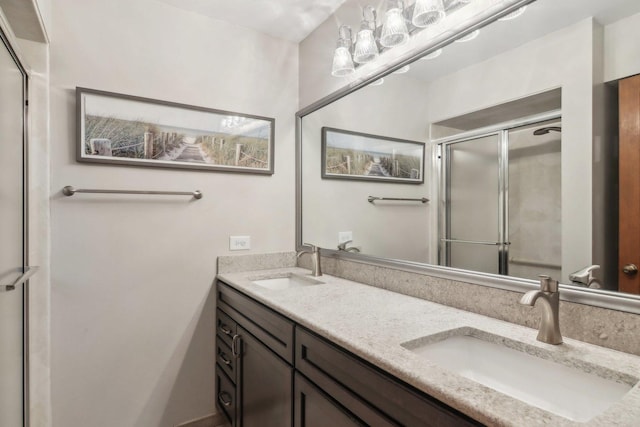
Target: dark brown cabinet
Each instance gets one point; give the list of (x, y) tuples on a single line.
[(274, 373), (254, 355), (265, 385)]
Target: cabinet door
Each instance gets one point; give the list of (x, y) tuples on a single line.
[(266, 386), (314, 408)]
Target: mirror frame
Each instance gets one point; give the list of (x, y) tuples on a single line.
[(599, 298)]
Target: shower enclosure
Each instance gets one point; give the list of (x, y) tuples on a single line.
[(500, 198)]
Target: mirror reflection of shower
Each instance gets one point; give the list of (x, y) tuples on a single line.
[(502, 200)]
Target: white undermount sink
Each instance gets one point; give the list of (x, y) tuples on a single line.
[(286, 281), (566, 391)]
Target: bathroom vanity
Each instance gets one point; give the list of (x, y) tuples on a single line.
[(258, 362), (303, 351)]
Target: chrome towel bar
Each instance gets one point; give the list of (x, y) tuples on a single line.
[(70, 191), (372, 199)]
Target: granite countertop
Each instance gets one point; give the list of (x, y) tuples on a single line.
[(373, 323)]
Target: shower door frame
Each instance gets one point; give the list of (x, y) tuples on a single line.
[(8, 41), (443, 159)]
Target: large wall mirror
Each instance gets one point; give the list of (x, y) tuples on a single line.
[(521, 137)]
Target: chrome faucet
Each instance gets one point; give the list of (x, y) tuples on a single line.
[(585, 277), (343, 247), (315, 257), (549, 296)]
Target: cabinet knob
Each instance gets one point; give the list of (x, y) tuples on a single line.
[(224, 359), (630, 269), (225, 399)]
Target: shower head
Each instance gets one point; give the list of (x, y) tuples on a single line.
[(544, 131)]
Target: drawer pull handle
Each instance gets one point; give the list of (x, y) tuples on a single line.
[(224, 359), (225, 399), (225, 329), (235, 349)]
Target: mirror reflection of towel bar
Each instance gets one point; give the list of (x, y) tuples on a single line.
[(70, 191), (372, 199), (534, 263)]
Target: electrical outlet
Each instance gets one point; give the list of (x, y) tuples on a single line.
[(239, 243), (344, 236)]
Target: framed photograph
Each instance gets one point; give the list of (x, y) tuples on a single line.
[(354, 155), (129, 130)]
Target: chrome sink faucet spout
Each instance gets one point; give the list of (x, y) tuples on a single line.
[(315, 257), (549, 296), (343, 247)]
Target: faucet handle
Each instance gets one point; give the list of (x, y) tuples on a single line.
[(343, 246), (314, 248), (547, 284)]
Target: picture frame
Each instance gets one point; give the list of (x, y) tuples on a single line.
[(364, 157), (120, 129)]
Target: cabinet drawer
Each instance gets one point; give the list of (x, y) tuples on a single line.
[(226, 360), (273, 329), (226, 328), (320, 360), (226, 397), (332, 405)]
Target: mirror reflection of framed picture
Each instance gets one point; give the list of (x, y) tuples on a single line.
[(134, 131), (360, 156)]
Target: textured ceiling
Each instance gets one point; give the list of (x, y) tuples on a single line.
[(286, 19)]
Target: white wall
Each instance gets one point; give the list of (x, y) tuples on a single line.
[(621, 48), (132, 303), (331, 206)]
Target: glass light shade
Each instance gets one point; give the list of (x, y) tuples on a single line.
[(366, 49), (427, 12), (378, 82), (342, 62), (394, 29)]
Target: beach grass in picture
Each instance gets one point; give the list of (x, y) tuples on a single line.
[(128, 130), (354, 155)]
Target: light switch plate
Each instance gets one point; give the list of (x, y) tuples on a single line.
[(239, 243), (344, 236)]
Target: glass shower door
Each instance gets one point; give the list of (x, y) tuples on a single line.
[(474, 188), (12, 293)]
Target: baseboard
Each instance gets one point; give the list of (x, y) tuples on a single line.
[(213, 420)]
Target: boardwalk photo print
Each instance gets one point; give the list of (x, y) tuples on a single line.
[(127, 130), (354, 155)]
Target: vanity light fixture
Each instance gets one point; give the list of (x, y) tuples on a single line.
[(394, 28), (399, 23), (427, 12), (472, 35), (366, 48), (513, 15), (342, 61)]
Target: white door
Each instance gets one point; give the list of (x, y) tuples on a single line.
[(12, 238)]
